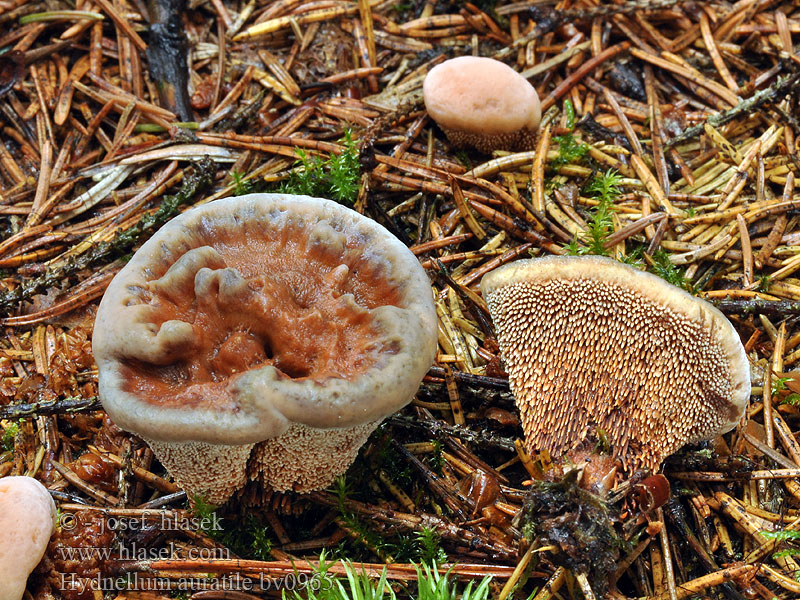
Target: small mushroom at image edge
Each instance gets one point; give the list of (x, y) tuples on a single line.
[(27, 520), (597, 348), (263, 337), (483, 103)]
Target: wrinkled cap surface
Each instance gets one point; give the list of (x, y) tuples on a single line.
[(479, 95), (27, 520), (592, 344), (247, 314)]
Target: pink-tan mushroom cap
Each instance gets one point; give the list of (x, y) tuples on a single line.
[(591, 345), (482, 102), (27, 520), (248, 315)]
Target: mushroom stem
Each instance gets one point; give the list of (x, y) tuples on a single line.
[(213, 471), (317, 456)]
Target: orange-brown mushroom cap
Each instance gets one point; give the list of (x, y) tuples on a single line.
[(592, 344), (247, 318), (482, 102)]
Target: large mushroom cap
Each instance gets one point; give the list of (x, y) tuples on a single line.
[(246, 316), (592, 344), (27, 520), (482, 102)]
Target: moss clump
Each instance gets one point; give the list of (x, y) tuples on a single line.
[(577, 524), (605, 188), (570, 151), (664, 268), (8, 437), (336, 177)]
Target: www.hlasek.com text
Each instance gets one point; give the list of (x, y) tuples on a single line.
[(134, 551)]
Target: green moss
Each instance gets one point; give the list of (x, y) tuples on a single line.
[(574, 248), (635, 257), (569, 109), (605, 188), (242, 186), (570, 151), (779, 384), (8, 436), (436, 459), (784, 535), (665, 269), (402, 7), (336, 177), (792, 399), (246, 535), (577, 524), (463, 158), (202, 508), (429, 548), (364, 534)]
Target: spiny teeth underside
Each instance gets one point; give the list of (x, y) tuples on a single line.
[(584, 356)]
